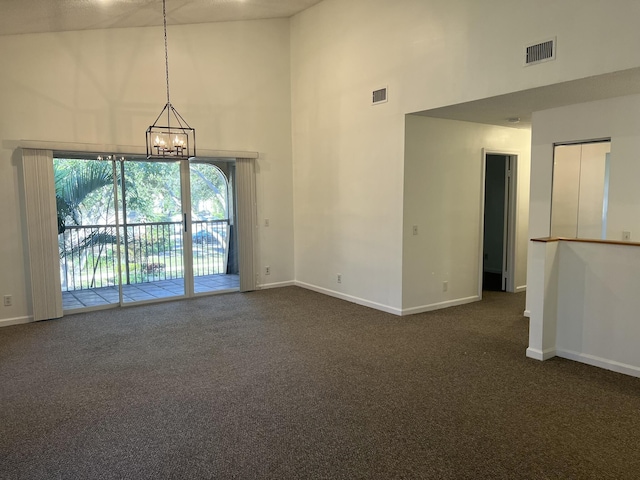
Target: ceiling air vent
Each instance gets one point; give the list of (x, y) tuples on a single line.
[(379, 96), (540, 52)]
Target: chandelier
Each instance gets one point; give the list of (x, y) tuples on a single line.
[(175, 139)]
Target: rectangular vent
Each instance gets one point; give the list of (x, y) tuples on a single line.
[(379, 96), (540, 52)]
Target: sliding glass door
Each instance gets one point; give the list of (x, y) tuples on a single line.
[(151, 231), (121, 231), (133, 231), (211, 222)]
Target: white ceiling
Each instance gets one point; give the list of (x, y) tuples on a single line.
[(33, 16)]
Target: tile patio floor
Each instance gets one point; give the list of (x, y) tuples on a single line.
[(146, 291)]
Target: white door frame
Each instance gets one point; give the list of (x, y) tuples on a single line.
[(187, 234), (511, 217)]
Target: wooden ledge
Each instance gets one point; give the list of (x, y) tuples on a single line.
[(584, 240)]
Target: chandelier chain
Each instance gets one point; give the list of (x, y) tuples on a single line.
[(166, 49)]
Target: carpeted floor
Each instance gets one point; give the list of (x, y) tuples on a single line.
[(291, 384)]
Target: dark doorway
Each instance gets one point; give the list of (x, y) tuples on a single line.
[(495, 222)]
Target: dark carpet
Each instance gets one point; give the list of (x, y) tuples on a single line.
[(291, 384)]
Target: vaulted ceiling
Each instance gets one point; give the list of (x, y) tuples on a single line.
[(32, 16)]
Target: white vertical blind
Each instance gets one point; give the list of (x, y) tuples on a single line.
[(247, 220), (42, 233)]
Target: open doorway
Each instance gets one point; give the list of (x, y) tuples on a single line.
[(498, 227)]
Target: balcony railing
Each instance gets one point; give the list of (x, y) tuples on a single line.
[(150, 252)]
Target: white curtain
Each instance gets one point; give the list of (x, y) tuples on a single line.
[(42, 233), (247, 222)]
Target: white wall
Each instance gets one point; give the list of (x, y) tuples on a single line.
[(443, 195), (598, 304), (586, 304), (349, 156), (617, 119), (231, 81)]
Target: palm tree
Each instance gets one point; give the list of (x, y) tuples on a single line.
[(75, 183)]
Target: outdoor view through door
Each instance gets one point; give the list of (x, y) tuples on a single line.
[(124, 234)]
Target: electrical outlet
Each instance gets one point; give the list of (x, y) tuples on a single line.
[(626, 236), (266, 222), (415, 229), (8, 300), (267, 270), (445, 286), (339, 278)]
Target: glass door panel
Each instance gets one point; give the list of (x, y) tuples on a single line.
[(151, 225), (210, 229), (87, 241)]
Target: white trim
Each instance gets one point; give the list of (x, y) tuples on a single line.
[(266, 286), (527, 313), (440, 305), (350, 298), (123, 149), (96, 308), (215, 292), (541, 355), (483, 187), (511, 230), (6, 322), (605, 363), (521, 288), (187, 229)]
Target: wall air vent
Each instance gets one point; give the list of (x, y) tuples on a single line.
[(379, 96), (540, 52)]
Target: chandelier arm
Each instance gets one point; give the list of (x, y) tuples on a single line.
[(179, 117), (160, 114)]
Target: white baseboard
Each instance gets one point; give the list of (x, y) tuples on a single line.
[(605, 363), (527, 313), (541, 355), (15, 321), (521, 288), (266, 286), (350, 298), (440, 305), (387, 308)]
